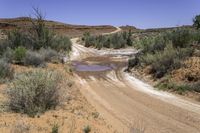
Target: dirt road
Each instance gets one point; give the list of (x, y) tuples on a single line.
[(126, 102)]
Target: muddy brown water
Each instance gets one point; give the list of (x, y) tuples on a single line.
[(97, 65)]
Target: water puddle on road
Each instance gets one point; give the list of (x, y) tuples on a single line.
[(92, 67)]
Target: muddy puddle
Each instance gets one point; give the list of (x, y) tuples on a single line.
[(84, 67)]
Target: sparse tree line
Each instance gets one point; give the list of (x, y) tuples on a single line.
[(166, 52), (116, 41)]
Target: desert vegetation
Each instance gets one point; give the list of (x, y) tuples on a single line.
[(161, 54), (116, 41), (35, 46), (35, 92)]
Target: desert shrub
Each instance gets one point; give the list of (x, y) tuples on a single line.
[(164, 61), (49, 54), (181, 38), (39, 33), (6, 72), (21, 127), (3, 46), (128, 37), (116, 41), (8, 55), (196, 22), (35, 92), (195, 86), (132, 62), (197, 36), (179, 88), (61, 44), (19, 54), (90, 41), (87, 129), (39, 36), (34, 59), (145, 44), (18, 38), (100, 40), (55, 128)]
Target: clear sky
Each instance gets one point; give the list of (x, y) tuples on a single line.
[(139, 13)]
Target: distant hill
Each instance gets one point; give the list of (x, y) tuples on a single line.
[(60, 28)]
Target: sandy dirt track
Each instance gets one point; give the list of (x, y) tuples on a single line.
[(128, 103)]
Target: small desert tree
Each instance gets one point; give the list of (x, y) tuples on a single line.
[(197, 22), (41, 34), (129, 41)]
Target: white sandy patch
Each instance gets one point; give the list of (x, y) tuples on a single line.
[(165, 96), (112, 76), (92, 78)]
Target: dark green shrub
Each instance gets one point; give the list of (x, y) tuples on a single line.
[(19, 54), (195, 86), (55, 128), (35, 92), (49, 54), (90, 41), (179, 88), (116, 41), (6, 72), (87, 129), (3, 46), (18, 38), (197, 22), (61, 44), (8, 55), (181, 38), (162, 61), (132, 62), (129, 40), (34, 59)]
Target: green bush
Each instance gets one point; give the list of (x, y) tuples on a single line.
[(89, 40), (39, 36), (116, 41), (197, 22), (129, 39), (180, 88), (55, 128), (35, 92), (3, 46), (6, 72), (34, 59), (18, 38), (181, 38), (196, 87), (49, 54), (164, 61), (19, 54), (8, 55), (87, 129), (61, 44)]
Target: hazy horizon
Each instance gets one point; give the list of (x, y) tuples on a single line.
[(139, 13)]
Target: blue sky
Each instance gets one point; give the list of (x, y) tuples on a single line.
[(139, 13)]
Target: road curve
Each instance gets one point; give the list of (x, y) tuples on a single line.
[(129, 104)]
